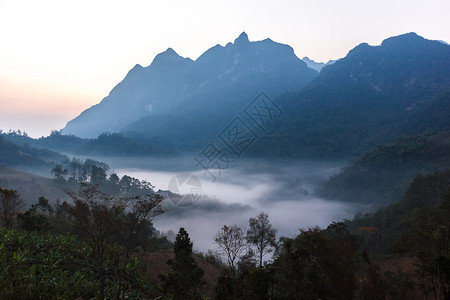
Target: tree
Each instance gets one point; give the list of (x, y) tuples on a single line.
[(261, 235), (103, 218), (59, 172), (317, 264), (432, 252), (98, 175), (10, 204), (231, 241), (136, 224), (43, 205), (55, 133), (75, 167), (34, 220), (186, 277)]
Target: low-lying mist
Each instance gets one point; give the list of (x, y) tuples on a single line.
[(282, 189)]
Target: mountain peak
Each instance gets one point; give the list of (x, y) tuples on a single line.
[(406, 40), (243, 38), (170, 51), (168, 55)]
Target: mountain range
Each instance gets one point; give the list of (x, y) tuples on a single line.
[(175, 92), (371, 96)]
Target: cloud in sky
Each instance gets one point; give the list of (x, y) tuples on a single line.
[(72, 53)]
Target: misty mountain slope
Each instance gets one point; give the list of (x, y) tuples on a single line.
[(26, 157), (382, 175), (106, 144), (143, 91), (406, 64), (372, 96), (175, 91)]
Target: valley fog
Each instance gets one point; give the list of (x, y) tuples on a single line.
[(282, 189)]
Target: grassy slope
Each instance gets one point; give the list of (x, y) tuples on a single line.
[(30, 186)]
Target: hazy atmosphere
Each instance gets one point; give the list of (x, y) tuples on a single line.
[(58, 58), (188, 150), (284, 190)]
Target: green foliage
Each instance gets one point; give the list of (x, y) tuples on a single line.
[(45, 266), (32, 220), (36, 218), (416, 226), (51, 266), (317, 264), (41, 264), (102, 219), (392, 229)]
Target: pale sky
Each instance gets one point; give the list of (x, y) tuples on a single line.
[(59, 57)]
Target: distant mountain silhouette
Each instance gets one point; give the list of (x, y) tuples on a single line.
[(316, 65), (372, 96), (173, 91)]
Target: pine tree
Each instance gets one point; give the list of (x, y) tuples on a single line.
[(186, 277)]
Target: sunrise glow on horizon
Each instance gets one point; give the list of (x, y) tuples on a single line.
[(57, 58)]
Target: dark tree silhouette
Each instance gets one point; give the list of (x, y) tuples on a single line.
[(10, 204), (104, 218), (231, 241), (186, 277)]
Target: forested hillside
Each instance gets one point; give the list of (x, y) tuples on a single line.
[(381, 176), (372, 96)]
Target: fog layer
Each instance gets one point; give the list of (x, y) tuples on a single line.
[(282, 189)]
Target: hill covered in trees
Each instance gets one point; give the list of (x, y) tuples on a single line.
[(381, 176), (106, 144), (27, 157), (346, 260)]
